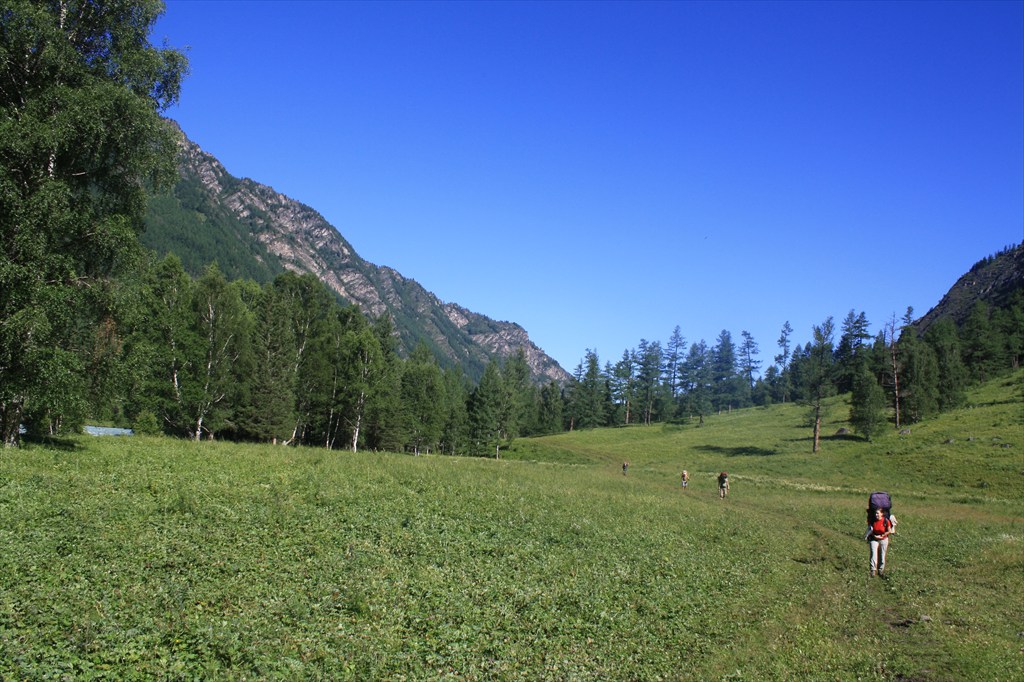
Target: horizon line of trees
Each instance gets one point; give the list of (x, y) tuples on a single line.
[(287, 363), (896, 377)]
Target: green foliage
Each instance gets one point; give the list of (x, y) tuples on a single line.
[(81, 141), (867, 404), (153, 558), (172, 220)]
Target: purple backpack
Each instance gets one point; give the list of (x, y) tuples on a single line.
[(881, 501)]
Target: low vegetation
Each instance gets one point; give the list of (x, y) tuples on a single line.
[(154, 558)]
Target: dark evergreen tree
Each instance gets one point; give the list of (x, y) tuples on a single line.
[(867, 403), (919, 392), (783, 385), (727, 386), (675, 356), (852, 341), (1010, 322), (817, 375), (422, 400), (383, 407), (952, 380), (698, 379), (516, 395), (455, 431), (485, 412), (589, 395), (622, 381), (550, 416), (269, 412), (982, 345), (648, 380), (748, 362)]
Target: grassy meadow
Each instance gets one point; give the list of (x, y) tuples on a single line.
[(151, 558)]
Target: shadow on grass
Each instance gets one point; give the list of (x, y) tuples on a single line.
[(736, 452), (51, 442)]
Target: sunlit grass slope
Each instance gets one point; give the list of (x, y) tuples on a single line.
[(153, 558)]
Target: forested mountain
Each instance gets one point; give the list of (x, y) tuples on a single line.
[(993, 281), (254, 232)]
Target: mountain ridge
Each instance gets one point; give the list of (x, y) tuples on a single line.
[(264, 232), (993, 280)]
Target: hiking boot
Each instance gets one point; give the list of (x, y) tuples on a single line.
[(873, 574)]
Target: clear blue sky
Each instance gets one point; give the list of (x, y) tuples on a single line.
[(600, 172)]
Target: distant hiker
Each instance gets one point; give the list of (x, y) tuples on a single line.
[(723, 485), (625, 468), (684, 479), (878, 541)]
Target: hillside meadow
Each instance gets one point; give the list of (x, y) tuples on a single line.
[(151, 558)]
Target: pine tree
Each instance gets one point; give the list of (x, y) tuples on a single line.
[(485, 412), (952, 381), (982, 345), (867, 403), (728, 388), (782, 362), (748, 363), (818, 374), (622, 379), (919, 394), (268, 416), (852, 341), (550, 408), (422, 400), (698, 379), (516, 395), (674, 357)]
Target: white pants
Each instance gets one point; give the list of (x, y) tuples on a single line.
[(878, 550)]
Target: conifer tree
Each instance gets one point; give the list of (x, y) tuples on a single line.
[(952, 375), (748, 362), (422, 400), (550, 408), (485, 412), (818, 375), (867, 403), (698, 379), (622, 379), (675, 352), (782, 362), (269, 414)]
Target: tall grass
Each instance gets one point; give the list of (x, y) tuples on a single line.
[(147, 558)]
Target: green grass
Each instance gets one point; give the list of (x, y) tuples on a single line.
[(149, 558)]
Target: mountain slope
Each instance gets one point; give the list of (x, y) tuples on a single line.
[(992, 280), (253, 231)]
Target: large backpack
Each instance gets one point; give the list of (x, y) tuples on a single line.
[(881, 501)]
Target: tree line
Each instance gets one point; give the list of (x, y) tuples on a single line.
[(896, 377)]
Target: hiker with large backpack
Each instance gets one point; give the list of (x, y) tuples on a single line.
[(880, 527)]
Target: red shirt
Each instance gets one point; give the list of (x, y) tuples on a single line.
[(881, 527)]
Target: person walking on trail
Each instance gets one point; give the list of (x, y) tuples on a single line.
[(723, 485), (684, 479), (878, 542)]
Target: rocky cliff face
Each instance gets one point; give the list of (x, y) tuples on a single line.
[(303, 241)]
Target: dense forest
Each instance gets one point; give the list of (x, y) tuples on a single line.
[(93, 328), (286, 362)]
